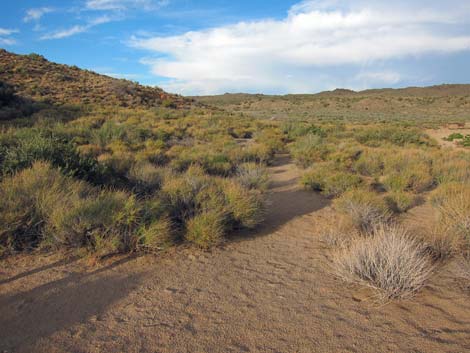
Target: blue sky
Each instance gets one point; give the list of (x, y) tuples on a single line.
[(209, 47)]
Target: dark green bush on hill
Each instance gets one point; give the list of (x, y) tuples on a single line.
[(395, 135), (22, 148)]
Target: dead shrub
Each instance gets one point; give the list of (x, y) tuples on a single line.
[(388, 260)]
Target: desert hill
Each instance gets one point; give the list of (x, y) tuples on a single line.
[(34, 77)]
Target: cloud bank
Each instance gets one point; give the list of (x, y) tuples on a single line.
[(5, 36), (307, 50)]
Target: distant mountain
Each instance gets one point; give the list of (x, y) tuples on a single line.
[(447, 102), (33, 77)]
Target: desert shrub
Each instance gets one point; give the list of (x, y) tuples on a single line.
[(308, 149), (454, 136), (271, 138), (369, 163), (254, 152), (444, 192), (345, 154), (451, 167), (205, 229), (329, 180), (30, 145), (400, 201), (245, 207), (158, 235), (146, 177), (108, 132), (217, 164), (28, 198), (294, 129), (407, 171), (453, 205), (388, 260), (253, 176), (103, 223), (365, 208), (399, 136), (181, 191)]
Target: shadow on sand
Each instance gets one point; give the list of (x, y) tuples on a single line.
[(59, 304)]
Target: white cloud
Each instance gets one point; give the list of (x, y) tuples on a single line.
[(7, 32), (291, 55), (36, 13), (104, 5), (68, 32), (5, 36)]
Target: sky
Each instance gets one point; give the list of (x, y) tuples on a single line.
[(256, 46)]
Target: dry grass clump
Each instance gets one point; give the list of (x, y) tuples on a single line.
[(146, 177), (158, 235), (253, 176), (205, 229), (328, 179), (400, 201), (454, 213), (308, 149), (451, 167), (246, 207), (388, 259), (365, 208), (207, 209), (408, 170)]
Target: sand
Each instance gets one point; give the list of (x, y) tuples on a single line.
[(268, 290)]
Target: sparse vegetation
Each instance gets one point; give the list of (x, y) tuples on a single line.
[(387, 259)]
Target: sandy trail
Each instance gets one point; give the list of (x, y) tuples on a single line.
[(268, 291)]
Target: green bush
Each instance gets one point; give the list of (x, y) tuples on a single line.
[(399, 136), (205, 229), (308, 149), (27, 200), (246, 207), (30, 145), (329, 180), (158, 235), (400, 201)]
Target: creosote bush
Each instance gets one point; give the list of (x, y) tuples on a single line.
[(388, 259)]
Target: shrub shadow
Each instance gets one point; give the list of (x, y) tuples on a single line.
[(60, 304)]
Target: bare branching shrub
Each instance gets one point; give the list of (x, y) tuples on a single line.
[(253, 176), (388, 260), (365, 208)]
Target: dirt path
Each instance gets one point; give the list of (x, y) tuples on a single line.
[(270, 291)]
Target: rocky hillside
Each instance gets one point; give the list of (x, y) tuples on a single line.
[(33, 77)]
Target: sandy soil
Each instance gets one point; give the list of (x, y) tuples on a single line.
[(439, 134), (268, 291)]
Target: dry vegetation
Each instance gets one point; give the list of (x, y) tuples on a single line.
[(104, 179), (370, 152)]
